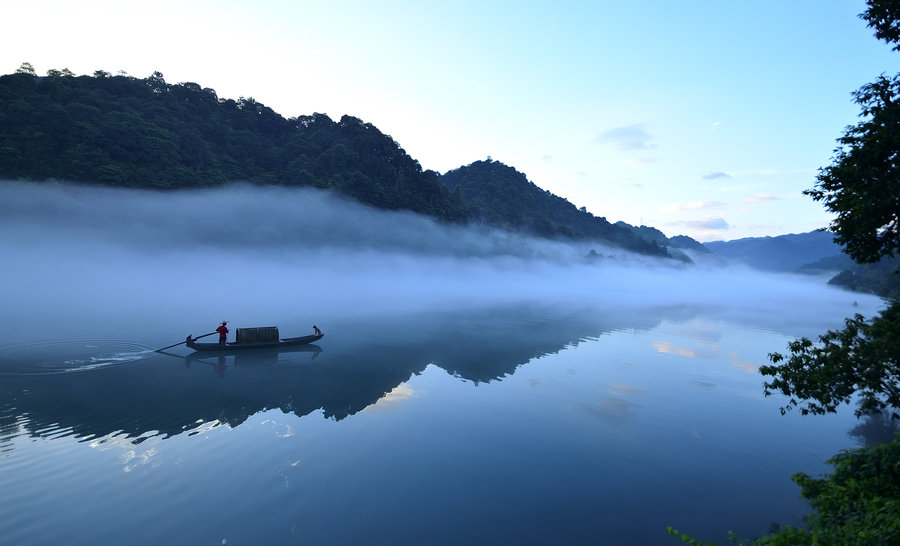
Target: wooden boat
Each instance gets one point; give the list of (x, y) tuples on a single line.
[(254, 338)]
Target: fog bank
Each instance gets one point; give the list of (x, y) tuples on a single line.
[(104, 262)]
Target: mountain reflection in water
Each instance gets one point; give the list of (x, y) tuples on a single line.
[(352, 368), (520, 424)]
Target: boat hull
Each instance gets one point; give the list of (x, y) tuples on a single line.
[(230, 347)]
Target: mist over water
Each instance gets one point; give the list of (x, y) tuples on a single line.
[(99, 262), (538, 395)]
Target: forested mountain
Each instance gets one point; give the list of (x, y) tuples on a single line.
[(146, 133), (881, 278), (500, 195), (654, 235), (687, 243)]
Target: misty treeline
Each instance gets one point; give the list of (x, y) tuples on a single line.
[(880, 278), (129, 132)]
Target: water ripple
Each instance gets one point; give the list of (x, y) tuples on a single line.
[(69, 356)]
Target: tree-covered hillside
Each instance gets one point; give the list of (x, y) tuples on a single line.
[(881, 278), (500, 195), (146, 133)]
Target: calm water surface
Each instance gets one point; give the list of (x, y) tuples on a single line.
[(514, 425)]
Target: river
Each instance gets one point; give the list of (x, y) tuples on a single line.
[(472, 387)]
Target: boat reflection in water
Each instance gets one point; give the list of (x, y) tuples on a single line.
[(168, 393), (266, 357), (598, 411)]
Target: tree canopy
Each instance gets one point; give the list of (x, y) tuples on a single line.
[(861, 360), (862, 184), (862, 187), (146, 133), (499, 195)]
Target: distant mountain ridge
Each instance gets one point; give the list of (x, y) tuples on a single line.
[(122, 131), (782, 253), (812, 253)]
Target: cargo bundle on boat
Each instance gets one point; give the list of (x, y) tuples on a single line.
[(262, 334)]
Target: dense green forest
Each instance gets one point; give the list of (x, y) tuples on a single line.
[(145, 133), (499, 195), (128, 132), (881, 278)]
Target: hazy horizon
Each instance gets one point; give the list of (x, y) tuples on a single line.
[(82, 256)]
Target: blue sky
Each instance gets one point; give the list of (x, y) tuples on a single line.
[(702, 118)]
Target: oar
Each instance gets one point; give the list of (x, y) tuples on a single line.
[(185, 341)]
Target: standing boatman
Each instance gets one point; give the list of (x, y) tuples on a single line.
[(223, 332)]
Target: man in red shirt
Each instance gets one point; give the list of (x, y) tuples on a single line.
[(223, 332)]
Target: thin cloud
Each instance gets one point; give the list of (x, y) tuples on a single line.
[(695, 205), (668, 348), (638, 161), (392, 400), (711, 228), (715, 175), (743, 364), (630, 137), (775, 172), (758, 198), (714, 223), (711, 223)]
